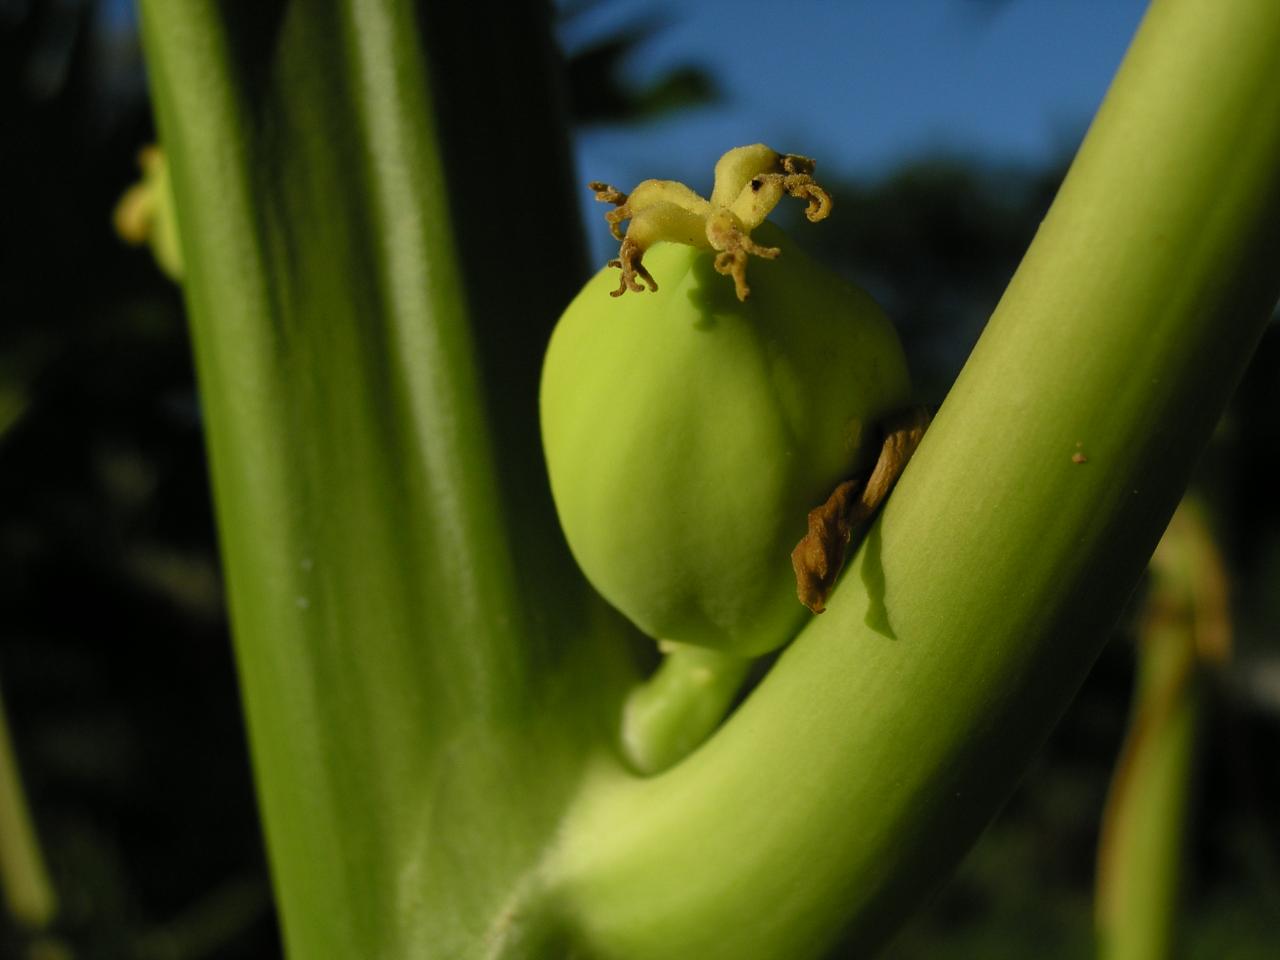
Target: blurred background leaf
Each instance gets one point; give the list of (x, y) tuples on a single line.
[(598, 92)]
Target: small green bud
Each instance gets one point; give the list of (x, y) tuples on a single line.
[(145, 214), (689, 432)]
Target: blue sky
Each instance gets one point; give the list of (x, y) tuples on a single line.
[(863, 85)]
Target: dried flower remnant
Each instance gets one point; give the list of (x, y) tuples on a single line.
[(819, 556), (749, 182)]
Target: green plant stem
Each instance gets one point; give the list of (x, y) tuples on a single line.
[(24, 878), (887, 735), (665, 718), (422, 667), (1186, 628)]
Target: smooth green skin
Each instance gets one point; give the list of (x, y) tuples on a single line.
[(688, 435), (673, 712), (368, 360)]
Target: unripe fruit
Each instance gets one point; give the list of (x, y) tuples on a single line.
[(688, 433)]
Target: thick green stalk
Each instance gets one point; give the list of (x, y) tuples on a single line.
[(888, 734), (410, 630), (1186, 628)]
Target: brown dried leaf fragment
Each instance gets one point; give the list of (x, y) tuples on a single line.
[(819, 556)]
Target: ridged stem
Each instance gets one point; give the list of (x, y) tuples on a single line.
[(423, 669)]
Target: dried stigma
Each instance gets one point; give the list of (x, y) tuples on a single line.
[(749, 182)]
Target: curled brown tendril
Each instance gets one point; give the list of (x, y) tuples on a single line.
[(629, 262), (735, 248), (610, 194)]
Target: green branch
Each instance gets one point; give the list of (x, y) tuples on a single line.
[(889, 733)]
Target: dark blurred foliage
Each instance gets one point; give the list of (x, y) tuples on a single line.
[(935, 244), (114, 658), (114, 655), (597, 93)]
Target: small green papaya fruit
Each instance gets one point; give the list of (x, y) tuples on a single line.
[(689, 431)]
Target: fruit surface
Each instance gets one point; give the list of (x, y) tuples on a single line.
[(688, 434)]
